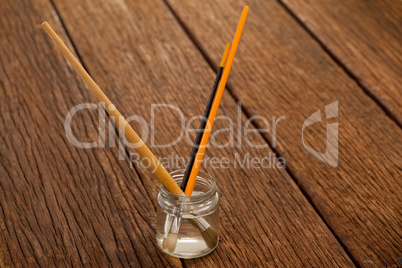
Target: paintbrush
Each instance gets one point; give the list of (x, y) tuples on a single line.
[(156, 167), (215, 105), (204, 120), (173, 223), (172, 237)]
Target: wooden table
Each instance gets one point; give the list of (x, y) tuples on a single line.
[(61, 205)]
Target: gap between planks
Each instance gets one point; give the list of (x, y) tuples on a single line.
[(338, 60), (248, 114)]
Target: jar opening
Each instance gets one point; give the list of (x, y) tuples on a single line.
[(204, 188)]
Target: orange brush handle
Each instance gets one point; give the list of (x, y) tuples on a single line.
[(225, 55), (215, 105)]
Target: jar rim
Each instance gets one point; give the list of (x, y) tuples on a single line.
[(203, 178)]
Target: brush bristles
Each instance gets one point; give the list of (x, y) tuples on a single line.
[(171, 242), (211, 237), (164, 244)]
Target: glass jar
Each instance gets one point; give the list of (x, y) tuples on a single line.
[(187, 226)]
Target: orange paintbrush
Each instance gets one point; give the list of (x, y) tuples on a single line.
[(215, 105)]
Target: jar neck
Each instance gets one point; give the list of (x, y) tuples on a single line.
[(204, 189)]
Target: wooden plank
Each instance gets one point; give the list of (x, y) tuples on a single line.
[(140, 56), (60, 206), (366, 37), (281, 70)]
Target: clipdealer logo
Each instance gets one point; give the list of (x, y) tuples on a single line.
[(237, 133), (330, 156)]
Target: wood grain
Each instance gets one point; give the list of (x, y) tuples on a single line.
[(366, 37), (148, 59), (281, 70), (61, 206)]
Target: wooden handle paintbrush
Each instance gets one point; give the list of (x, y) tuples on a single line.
[(209, 234), (131, 136)]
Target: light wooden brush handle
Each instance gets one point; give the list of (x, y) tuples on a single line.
[(131, 136)]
